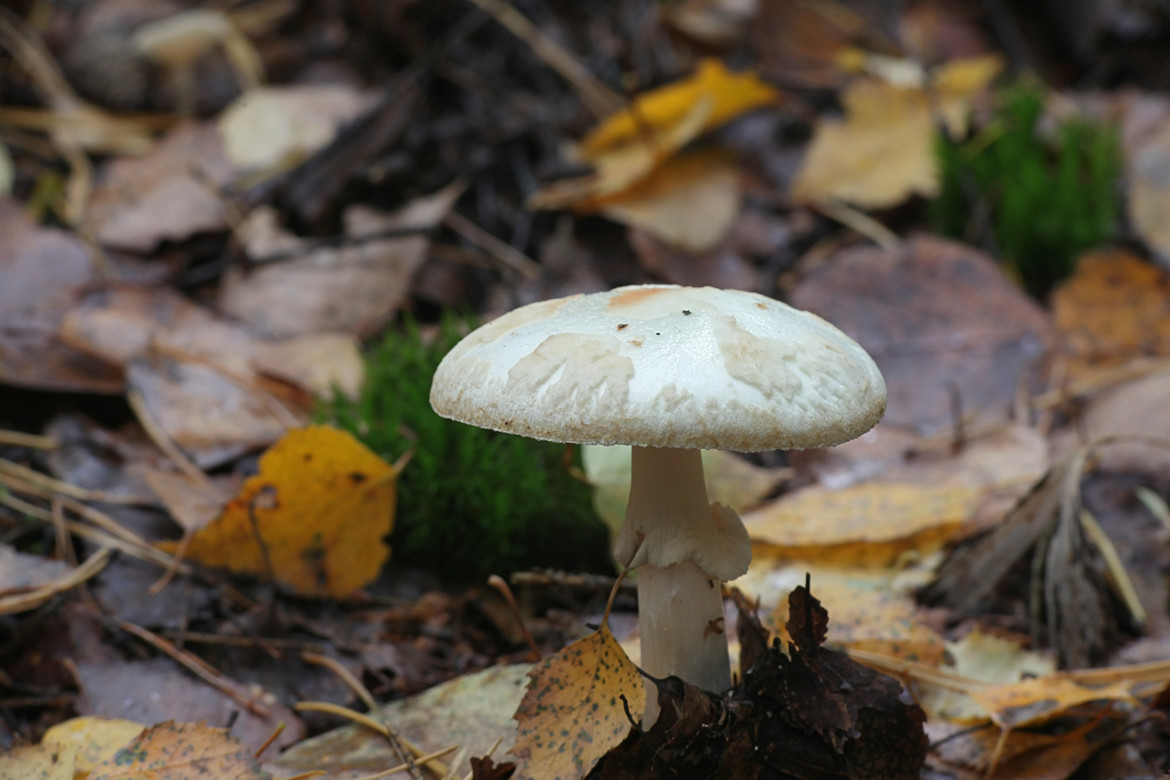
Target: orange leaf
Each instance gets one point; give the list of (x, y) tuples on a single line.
[(572, 713), (1113, 308), (322, 503)]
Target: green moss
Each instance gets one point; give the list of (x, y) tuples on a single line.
[(1044, 199), (470, 502)]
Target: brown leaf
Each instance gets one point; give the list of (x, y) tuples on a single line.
[(42, 270), (939, 318), (167, 195)]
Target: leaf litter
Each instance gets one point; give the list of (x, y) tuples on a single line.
[(287, 251)]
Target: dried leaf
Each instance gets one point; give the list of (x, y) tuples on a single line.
[(870, 523), (943, 323), (1111, 310), (883, 152), (573, 712), (181, 751), (278, 127), (690, 201), (322, 504)]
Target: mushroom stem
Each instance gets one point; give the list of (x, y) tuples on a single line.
[(680, 606)]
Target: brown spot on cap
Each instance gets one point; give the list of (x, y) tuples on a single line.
[(634, 296), (762, 306), (623, 326)]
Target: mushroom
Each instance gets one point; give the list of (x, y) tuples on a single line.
[(672, 371)]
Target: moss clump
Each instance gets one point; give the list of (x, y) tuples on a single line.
[(470, 502), (1044, 199)]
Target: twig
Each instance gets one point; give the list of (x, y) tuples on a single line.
[(497, 582), (428, 760), (49, 485), (507, 254), (32, 441), (197, 666), (859, 222), (407, 752), (161, 439), (22, 602), (598, 97)]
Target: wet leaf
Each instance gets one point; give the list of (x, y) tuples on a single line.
[(322, 504), (181, 751), (572, 713)]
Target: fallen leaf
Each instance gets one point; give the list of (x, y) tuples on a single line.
[(191, 503), (871, 523), (158, 689), (656, 111), (94, 739), (181, 751), (169, 194), (943, 323), (1134, 411), (690, 201), (43, 269), (118, 322), (322, 504), (321, 363), (472, 710), (1114, 308), (627, 147), (868, 616), (1040, 699), (38, 762), (352, 288), (883, 152), (806, 42), (984, 658), (278, 127), (211, 415), (573, 712), (23, 571)]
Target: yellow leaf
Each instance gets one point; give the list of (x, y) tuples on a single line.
[(572, 713), (655, 112), (871, 523), (628, 146), (181, 751), (1040, 699), (94, 739), (322, 503), (883, 152), (38, 762)]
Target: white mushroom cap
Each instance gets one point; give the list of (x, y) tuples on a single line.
[(663, 366)]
